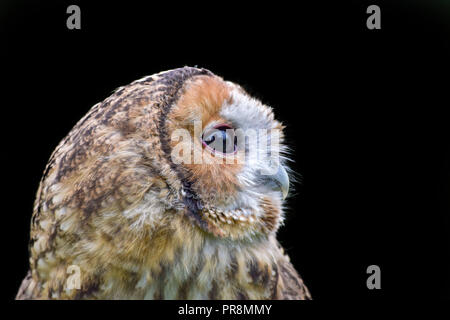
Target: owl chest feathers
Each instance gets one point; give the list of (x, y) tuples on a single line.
[(189, 265)]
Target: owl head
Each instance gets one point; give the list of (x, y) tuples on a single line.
[(228, 154), (181, 145)]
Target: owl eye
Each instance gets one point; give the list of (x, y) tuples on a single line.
[(220, 139)]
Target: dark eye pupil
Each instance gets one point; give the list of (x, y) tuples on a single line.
[(221, 140)]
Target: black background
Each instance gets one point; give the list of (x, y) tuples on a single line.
[(366, 115)]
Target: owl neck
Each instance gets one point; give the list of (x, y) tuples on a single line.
[(186, 263)]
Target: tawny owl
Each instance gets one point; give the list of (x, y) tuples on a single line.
[(152, 196)]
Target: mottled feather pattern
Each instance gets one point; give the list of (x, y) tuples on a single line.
[(113, 203)]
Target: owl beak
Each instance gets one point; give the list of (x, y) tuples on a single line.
[(281, 179)]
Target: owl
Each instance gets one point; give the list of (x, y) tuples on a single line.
[(156, 194)]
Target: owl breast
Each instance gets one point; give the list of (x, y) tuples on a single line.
[(191, 266)]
